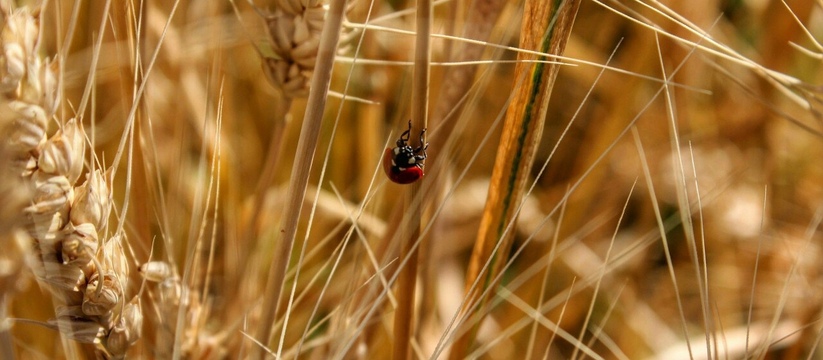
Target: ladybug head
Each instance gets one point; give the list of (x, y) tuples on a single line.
[(404, 157)]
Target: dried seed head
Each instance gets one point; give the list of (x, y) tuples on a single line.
[(91, 201), (102, 297), (63, 153), (62, 227), (126, 331), (80, 245), (294, 30), (156, 271)]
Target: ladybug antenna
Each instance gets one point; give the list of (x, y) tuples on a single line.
[(404, 137)]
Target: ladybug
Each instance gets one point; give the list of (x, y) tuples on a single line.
[(404, 164)]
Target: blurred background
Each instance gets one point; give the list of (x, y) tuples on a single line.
[(704, 133)]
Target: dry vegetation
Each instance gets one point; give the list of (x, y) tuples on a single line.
[(179, 183)]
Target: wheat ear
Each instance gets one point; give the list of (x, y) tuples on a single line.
[(86, 279), (294, 29)]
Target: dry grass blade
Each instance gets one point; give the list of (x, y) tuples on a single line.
[(546, 28), (458, 82)]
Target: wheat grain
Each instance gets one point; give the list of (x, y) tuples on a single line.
[(156, 271)]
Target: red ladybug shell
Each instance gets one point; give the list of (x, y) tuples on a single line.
[(407, 176)]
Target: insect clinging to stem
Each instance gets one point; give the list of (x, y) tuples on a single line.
[(403, 164)]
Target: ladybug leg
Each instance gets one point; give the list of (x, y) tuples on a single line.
[(422, 148), (423, 151), (419, 154)]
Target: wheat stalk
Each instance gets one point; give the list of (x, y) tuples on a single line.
[(307, 144), (405, 316), (293, 30), (458, 81)]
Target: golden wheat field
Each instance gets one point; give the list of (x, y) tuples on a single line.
[(223, 179)]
